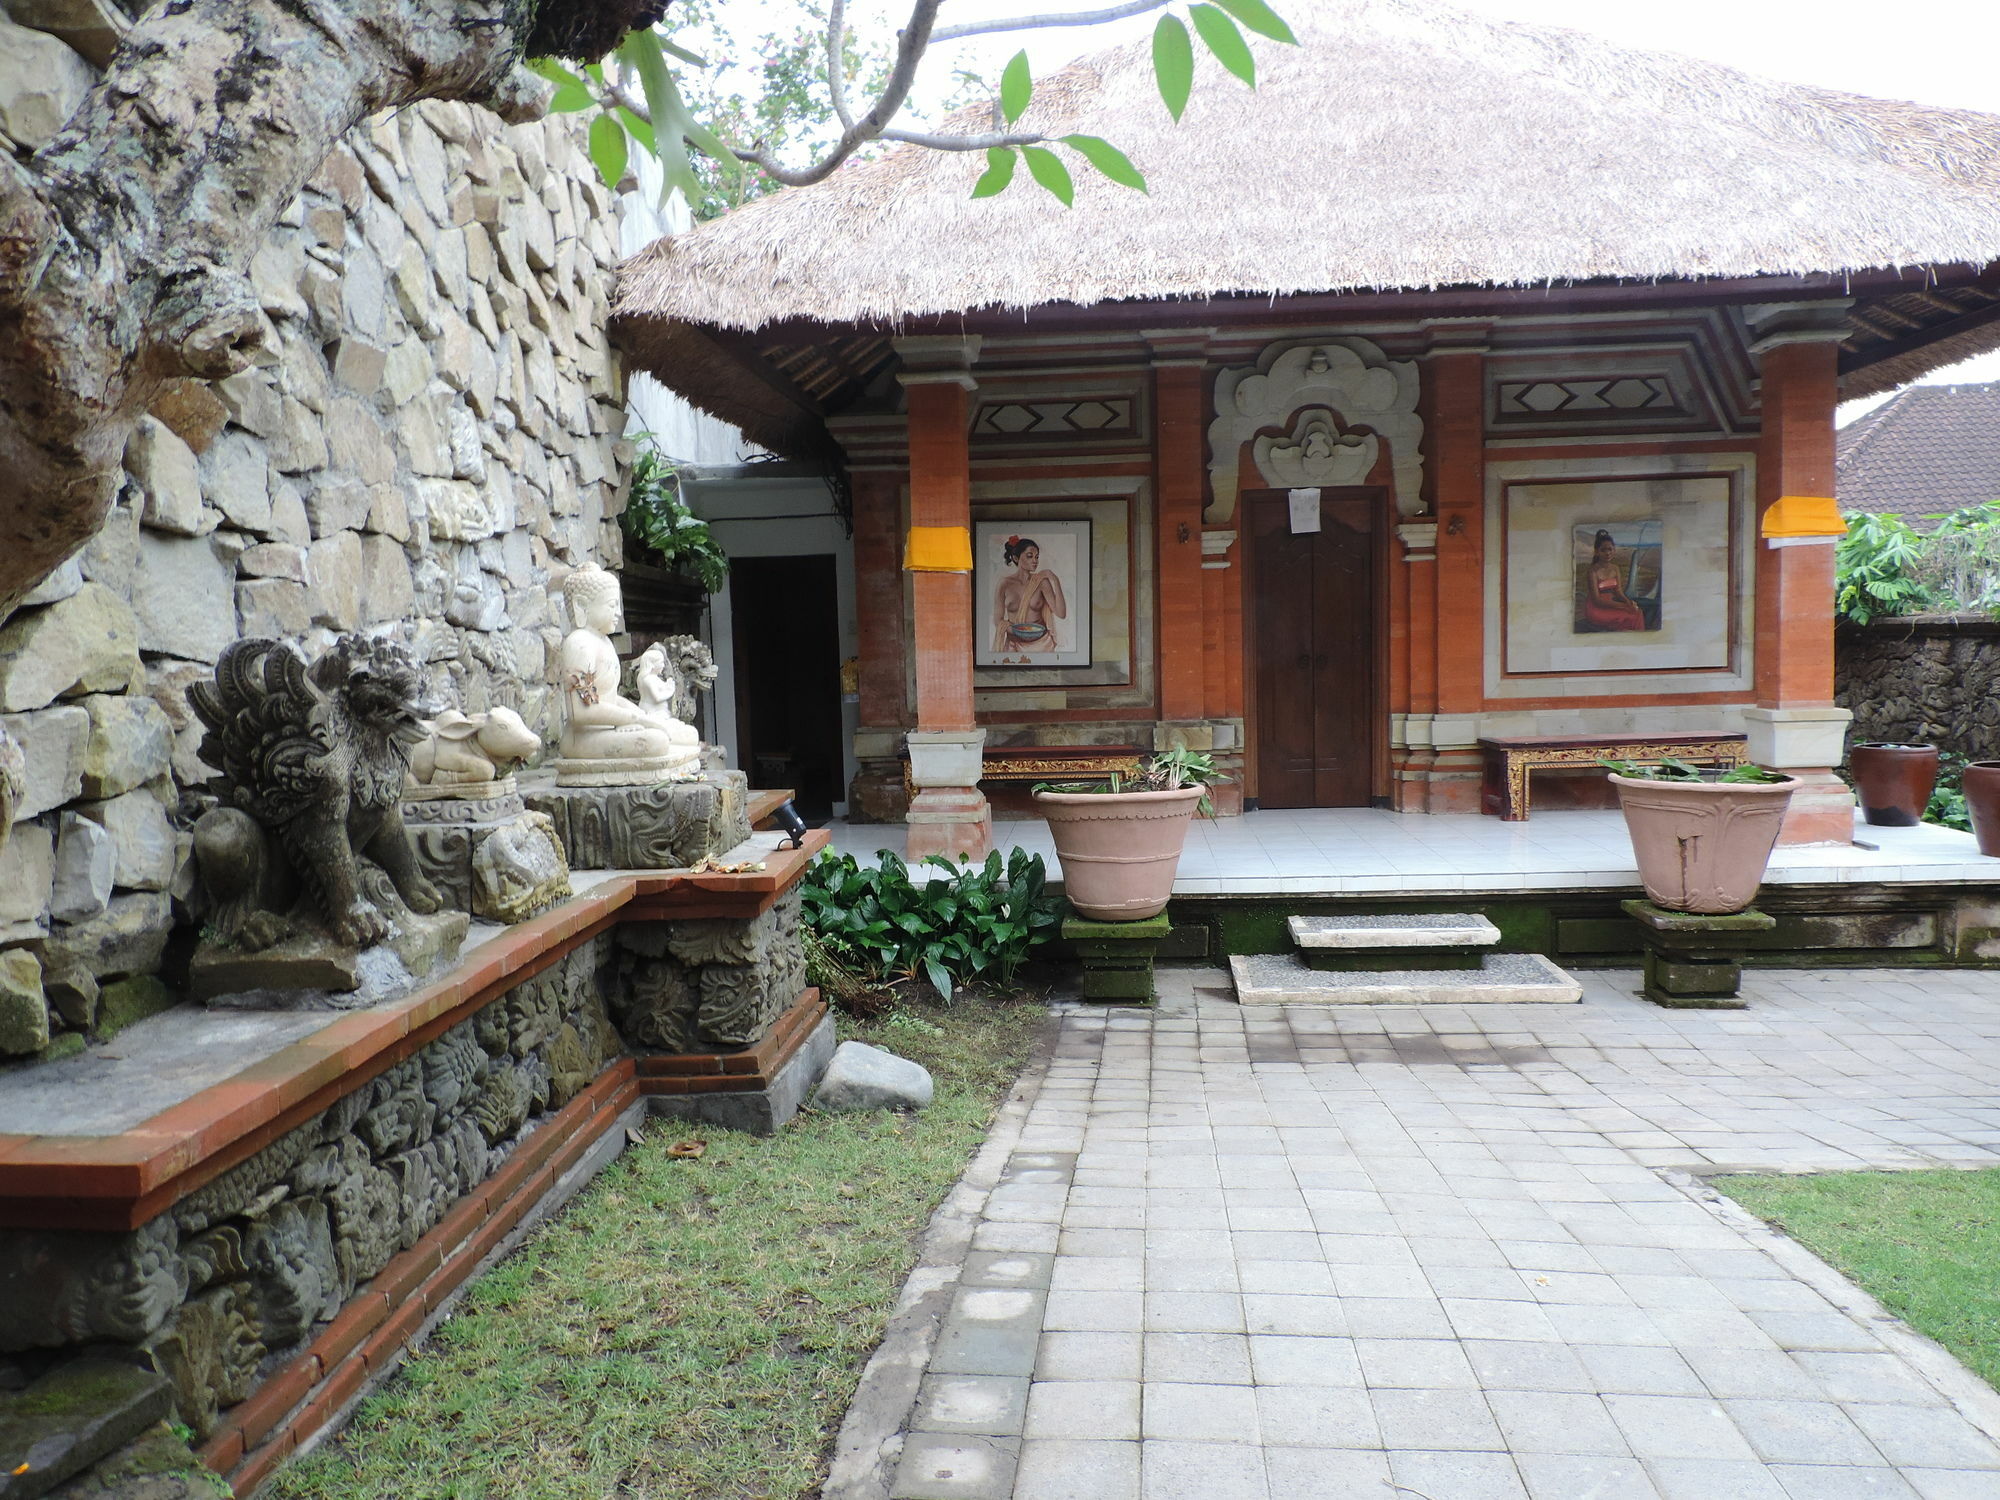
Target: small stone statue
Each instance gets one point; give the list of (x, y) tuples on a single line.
[(307, 848), (469, 753), (607, 739)]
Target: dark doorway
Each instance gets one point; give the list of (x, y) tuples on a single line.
[(1314, 649), (785, 620)]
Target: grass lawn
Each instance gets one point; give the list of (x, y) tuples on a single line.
[(687, 1329), (1925, 1244)]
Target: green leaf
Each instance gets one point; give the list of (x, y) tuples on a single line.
[(572, 93), (608, 149), (1225, 41), (674, 49), (1173, 63), (1260, 18), (1000, 164), (1107, 158), (1047, 169), (1017, 87), (638, 129)]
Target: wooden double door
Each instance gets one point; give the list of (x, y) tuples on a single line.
[(1313, 649)]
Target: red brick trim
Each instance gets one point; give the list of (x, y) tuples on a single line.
[(372, 1331), (118, 1182)]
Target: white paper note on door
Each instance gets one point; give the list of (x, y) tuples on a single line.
[(1305, 510)]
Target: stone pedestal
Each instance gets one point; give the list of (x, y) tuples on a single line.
[(1695, 962), (522, 874), (1117, 956), (310, 971), (948, 814), (669, 825)]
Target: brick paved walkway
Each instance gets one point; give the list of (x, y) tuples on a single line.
[(1316, 1254)]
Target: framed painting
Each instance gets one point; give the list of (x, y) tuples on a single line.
[(1031, 593), (1617, 575)]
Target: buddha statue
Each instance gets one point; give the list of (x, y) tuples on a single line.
[(607, 739)]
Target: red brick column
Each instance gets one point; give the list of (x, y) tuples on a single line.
[(1177, 404), (948, 813), (1795, 726), (1457, 443)]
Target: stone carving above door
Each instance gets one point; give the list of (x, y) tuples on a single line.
[(1334, 398)]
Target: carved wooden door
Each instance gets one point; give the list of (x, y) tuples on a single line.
[(1313, 618)]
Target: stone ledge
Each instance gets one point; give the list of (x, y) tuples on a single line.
[(118, 1182)]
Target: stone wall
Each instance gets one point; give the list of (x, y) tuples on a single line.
[(433, 441), (1929, 679)]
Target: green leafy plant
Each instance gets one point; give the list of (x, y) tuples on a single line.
[(658, 519), (1672, 769), (966, 922), (1165, 771), (1875, 567), (1947, 805)]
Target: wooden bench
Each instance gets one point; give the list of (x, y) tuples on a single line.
[(1507, 762), (1053, 763)]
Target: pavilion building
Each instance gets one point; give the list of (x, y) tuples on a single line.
[(1463, 380)]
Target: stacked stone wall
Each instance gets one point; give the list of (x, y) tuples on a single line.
[(433, 440), (1932, 680)]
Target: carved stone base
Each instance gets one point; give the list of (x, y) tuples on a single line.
[(450, 836), (310, 971), (639, 771), (463, 791), (665, 826)]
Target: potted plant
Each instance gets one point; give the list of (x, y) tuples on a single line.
[(1980, 784), (1702, 837), (1895, 782), (1120, 843)]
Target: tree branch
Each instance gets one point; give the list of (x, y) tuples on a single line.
[(125, 241), (1041, 23), (963, 142), (836, 59)]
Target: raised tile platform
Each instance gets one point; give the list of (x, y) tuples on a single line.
[(1503, 979)]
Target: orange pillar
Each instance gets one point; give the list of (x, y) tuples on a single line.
[(1795, 726), (948, 813), (1177, 405), (1457, 443)]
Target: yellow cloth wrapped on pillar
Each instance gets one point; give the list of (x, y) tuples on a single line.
[(938, 549), (1803, 516)]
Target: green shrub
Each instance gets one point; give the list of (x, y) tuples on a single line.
[(965, 922), (1947, 806), (658, 520)]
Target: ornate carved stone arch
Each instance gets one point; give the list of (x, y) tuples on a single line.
[(1310, 390)]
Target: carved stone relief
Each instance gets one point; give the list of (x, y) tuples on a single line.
[(1351, 384)]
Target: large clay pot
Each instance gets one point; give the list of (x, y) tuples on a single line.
[(1981, 785), (1702, 845), (1895, 782), (1119, 850)]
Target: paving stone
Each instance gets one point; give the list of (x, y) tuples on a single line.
[(1202, 1358), (1562, 1476), (1175, 1470), (1064, 1469), (994, 1405), (1924, 1437), (1200, 1413), (1084, 1409), (1463, 1476), (1089, 1356), (1714, 1479), (1835, 1482), (941, 1466), (1321, 1473), (1317, 1417)]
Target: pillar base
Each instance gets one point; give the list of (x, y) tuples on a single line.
[(953, 821), (1695, 962), (1821, 812)]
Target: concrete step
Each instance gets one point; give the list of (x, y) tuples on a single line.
[(1502, 979), (1449, 929)]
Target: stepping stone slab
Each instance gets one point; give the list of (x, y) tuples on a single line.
[(1444, 929), (1503, 979)]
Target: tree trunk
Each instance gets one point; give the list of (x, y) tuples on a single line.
[(126, 241)]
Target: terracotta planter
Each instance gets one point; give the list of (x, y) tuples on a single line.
[(1894, 782), (1702, 845), (1981, 785), (1119, 850)]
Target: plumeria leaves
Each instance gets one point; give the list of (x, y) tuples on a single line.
[(1255, 15), (1000, 164), (572, 93), (1017, 87), (1225, 41), (1107, 158), (1173, 63), (1047, 169)]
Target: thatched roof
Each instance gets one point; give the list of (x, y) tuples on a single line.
[(1404, 145)]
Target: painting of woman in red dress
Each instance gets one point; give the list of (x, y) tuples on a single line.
[(1618, 579)]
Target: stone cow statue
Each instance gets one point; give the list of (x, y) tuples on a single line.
[(468, 749)]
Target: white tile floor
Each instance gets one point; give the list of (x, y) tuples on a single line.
[(1329, 1254), (1337, 850)]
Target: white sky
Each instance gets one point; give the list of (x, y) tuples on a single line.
[(1940, 52)]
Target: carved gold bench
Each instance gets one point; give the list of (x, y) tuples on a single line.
[(1507, 762)]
